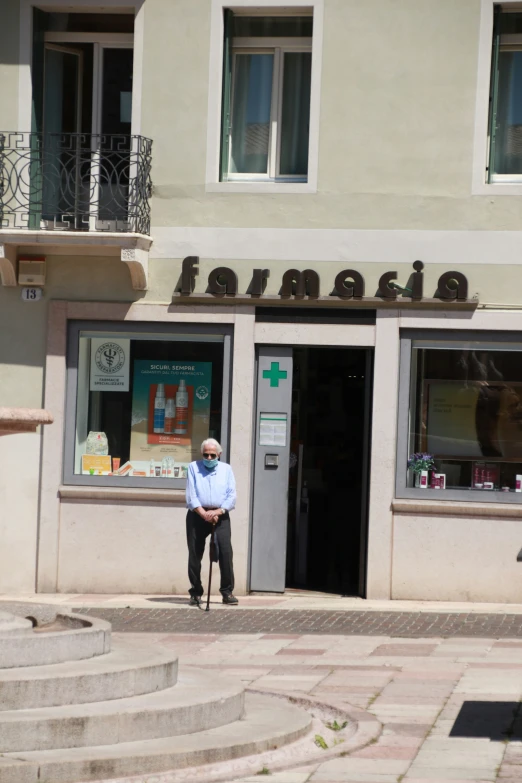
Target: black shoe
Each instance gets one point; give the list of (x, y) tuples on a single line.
[(230, 599), (194, 600)]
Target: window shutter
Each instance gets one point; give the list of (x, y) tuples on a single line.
[(226, 96), (493, 92)]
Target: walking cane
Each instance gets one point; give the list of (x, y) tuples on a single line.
[(212, 551)]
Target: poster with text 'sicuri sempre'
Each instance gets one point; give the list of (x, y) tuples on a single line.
[(170, 409)]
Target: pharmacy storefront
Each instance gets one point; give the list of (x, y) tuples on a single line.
[(376, 440)]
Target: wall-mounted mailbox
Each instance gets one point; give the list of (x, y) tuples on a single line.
[(271, 460)]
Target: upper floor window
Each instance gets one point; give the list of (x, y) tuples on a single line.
[(505, 132), (266, 98)]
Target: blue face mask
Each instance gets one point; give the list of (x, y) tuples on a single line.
[(210, 464)]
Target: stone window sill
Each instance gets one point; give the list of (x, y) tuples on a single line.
[(440, 508), (174, 496)]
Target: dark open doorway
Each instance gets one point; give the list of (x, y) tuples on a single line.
[(327, 498)]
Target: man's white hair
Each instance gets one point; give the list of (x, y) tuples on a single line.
[(213, 444)]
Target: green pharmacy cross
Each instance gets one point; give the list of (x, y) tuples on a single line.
[(275, 374)]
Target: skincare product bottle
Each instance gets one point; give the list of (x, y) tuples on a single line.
[(152, 468), (170, 413), (518, 483), (181, 419), (167, 467), (159, 408)]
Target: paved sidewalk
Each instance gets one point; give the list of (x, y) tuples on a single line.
[(293, 614), (291, 600), (450, 709)]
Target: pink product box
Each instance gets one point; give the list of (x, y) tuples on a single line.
[(486, 475), (438, 481)]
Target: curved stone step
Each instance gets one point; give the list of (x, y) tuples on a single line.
[(130, 669), (10, 623), (198, 701), (268, 724), (85, 638)]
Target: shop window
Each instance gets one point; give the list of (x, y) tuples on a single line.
[(141, 399), (461, 408), (505, 132), (266, 97)]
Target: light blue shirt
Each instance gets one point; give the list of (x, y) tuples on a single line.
[(210, 488)]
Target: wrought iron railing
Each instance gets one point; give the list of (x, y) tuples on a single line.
[(75, 182)]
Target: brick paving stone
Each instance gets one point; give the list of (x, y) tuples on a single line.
[(407, 729), (287, 624), (294, 651), (413, 650)]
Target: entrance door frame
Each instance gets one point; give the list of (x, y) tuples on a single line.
[(314, 335)]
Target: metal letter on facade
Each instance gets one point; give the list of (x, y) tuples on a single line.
[(229, 286), (306, 283), (459, 291), (259, 278), (417, 280), (385, 291), (189, 270), (349, 284)]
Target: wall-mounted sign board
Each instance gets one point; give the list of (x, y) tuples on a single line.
[(272, 429)]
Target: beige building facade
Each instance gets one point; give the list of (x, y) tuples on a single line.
[(210, 217)]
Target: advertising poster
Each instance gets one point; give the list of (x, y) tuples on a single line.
[(474, 419), (170, 409)]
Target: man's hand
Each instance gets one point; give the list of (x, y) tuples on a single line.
[(211, 516)]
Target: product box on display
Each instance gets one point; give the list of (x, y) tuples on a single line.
[(96, 464)]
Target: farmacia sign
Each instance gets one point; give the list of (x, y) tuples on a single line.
[(348, 284)]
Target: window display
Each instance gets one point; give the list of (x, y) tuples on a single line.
[(466, 416), (145, 399)]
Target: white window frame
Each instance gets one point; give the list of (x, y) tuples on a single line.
[(278, 48), (502, 184), (248, 183)]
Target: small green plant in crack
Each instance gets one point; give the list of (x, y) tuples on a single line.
[(320, 742), (334, 726), (264, 771), (338, 741)]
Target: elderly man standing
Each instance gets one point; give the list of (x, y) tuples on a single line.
[(211, 495)]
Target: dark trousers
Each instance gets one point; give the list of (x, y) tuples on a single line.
[(197, 532)]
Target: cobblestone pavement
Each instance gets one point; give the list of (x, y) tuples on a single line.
[(412, 625)]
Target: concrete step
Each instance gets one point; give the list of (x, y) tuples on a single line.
[(130, 669), (268, 724), (85, 637), (10, 623), (198, 701)]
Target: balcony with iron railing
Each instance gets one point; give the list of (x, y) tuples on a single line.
[(75, 189)]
